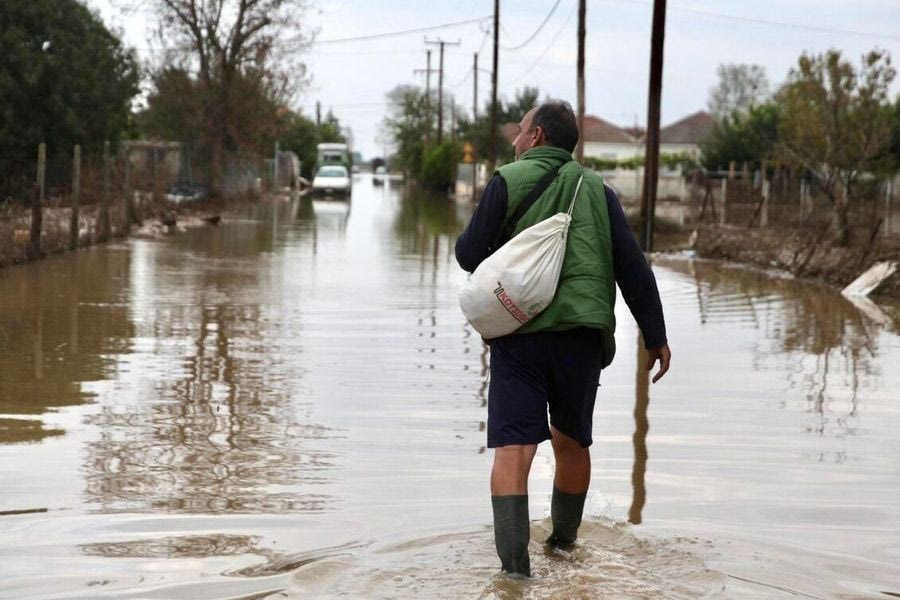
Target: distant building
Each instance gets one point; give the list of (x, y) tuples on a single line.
[(686, 135), (604, 140), (607, 141)]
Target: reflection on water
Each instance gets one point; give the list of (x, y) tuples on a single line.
[(44, 361), (192, 546), (815, 337), (292, 403), (206, 422), (639, 437)]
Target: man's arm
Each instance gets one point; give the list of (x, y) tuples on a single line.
[(474, 243), (638, 285)]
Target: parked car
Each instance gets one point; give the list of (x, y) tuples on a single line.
[(380, 175), (186, 192), (332, 180)]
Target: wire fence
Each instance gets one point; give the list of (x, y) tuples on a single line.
[(59, 203), (782, 200)]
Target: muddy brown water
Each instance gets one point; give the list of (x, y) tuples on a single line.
[(291, 405)]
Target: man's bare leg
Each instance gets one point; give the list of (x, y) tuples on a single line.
[(573, 464), (570, 485), (509, 499), (511, 467)]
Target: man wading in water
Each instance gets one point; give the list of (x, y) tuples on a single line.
[(553, 362)]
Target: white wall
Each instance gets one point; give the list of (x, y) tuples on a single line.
[(612, 151)]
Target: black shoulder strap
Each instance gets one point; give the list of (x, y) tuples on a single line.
[(535, 193)]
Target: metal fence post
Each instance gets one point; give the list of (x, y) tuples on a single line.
[(41, 169), (888, 196), (37, 214), (104, 196), (131, 217), (722, 217), (37, 201), (75, 201)]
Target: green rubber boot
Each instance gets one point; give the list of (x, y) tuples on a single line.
[(565, 512), (512, 532)]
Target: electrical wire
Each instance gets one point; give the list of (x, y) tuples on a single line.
[(758, 21), (536, 31), (547, 49), (463, 80), (388, 34)]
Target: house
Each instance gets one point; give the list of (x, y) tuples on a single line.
[(686, 135), (604, 140), (607, 141)]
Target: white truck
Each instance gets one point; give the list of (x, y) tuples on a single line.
[(333, 154)]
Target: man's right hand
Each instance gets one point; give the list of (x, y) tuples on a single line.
[(661, 354)]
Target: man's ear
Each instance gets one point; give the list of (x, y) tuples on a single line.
[(539, 137)]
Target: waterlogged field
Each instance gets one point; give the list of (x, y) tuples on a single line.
[(291, 405)]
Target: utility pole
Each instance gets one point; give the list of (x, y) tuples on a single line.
[(651, 161), (318, 113), (492, 159), (427, 70), (474, 119), (475, 90), (441, 43), (579, 149)]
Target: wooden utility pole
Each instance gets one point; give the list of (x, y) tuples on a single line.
[(651, 161), (427, 70), (492, 158), (475, 89), (579, 149), (318, 113), (441, 43)]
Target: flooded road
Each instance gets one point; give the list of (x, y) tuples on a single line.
[(291, 405)]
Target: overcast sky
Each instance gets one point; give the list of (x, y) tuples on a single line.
[(352, 78)]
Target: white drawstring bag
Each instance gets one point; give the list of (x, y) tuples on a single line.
[(518, 281)]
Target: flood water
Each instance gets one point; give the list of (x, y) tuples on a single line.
[(291, 405)]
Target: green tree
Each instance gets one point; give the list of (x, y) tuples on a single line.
[(65, 79), (174, 107), (479, 132), (835, 121), (300, 135), (405, 126), (747, 136), (740, 88), (177, 108), (437, 167)]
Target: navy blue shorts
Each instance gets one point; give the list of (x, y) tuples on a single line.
[(536, 373)]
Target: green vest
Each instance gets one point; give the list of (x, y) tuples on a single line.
[(586, 295)]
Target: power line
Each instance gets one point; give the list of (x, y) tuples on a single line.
[(487, 32), (536, 31), (464, 79), (547, 49), (757, 21), (387, 34)]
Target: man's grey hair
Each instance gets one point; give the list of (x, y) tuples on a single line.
[(558, 121)]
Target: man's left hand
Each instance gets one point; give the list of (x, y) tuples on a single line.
[(661, 354)]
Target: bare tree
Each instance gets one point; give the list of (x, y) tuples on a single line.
[(835, 121), (243, 53)]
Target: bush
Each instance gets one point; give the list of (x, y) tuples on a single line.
[(679, 161), (437, 168)]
